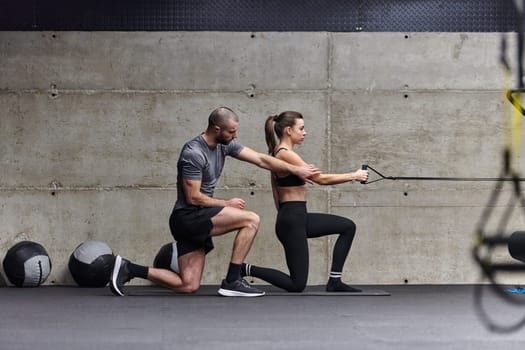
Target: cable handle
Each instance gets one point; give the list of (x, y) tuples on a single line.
[(364, 167)]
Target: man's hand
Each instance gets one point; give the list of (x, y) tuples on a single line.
[(236, 203), (307, 171)]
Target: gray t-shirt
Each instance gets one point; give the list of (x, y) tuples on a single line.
[(197, 161)]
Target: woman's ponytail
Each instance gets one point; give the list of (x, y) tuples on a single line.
[(269, 133)]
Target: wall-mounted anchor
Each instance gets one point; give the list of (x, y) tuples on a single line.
[(54, 186), (53, 91), (251, 91)]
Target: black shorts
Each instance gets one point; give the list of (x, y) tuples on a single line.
[(191, 228)]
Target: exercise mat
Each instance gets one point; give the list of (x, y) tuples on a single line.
[(211, 290)]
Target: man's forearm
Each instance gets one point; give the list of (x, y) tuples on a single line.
[(276, 165), (202, 200)]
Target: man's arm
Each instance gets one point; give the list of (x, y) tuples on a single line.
[(195, 197), (271, 163)]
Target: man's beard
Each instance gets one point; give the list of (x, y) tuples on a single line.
[(222, 140)]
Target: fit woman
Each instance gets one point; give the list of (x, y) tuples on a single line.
[(294, 224)]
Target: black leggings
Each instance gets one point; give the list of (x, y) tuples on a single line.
[(293, 227)]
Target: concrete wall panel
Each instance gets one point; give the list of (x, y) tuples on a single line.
[(446, 134), (134, 223), (408, 61), (160, 61), (423, 236), (105, 139)]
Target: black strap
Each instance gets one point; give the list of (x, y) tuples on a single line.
[(486, 242), (275, 153)]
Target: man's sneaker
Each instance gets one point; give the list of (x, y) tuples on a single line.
[(119, 276), (239, 288)]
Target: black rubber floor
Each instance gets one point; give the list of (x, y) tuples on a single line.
[(412, 317)]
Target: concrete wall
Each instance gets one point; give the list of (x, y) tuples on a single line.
[(92, 123)]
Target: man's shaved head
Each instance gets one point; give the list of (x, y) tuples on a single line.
[(220, 115)]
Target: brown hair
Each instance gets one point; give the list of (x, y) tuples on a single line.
[(275, 124)]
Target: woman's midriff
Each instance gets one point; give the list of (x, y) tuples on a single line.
[(290, 194)]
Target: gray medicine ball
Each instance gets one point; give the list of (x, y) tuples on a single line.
[(27, 264), (167, 258), (91, 264)]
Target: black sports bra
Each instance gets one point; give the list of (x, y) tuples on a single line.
[(289, 180)]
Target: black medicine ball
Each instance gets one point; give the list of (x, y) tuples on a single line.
[(27, 264), (167, 258), (91, 264)]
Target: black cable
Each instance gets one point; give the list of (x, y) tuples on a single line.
[(438, 178)]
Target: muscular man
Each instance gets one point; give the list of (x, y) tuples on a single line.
[(198, 216)]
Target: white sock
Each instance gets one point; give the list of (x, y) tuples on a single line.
[(336, 275)]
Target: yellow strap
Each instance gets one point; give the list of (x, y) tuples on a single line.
[(512, 124), (516, 133)]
